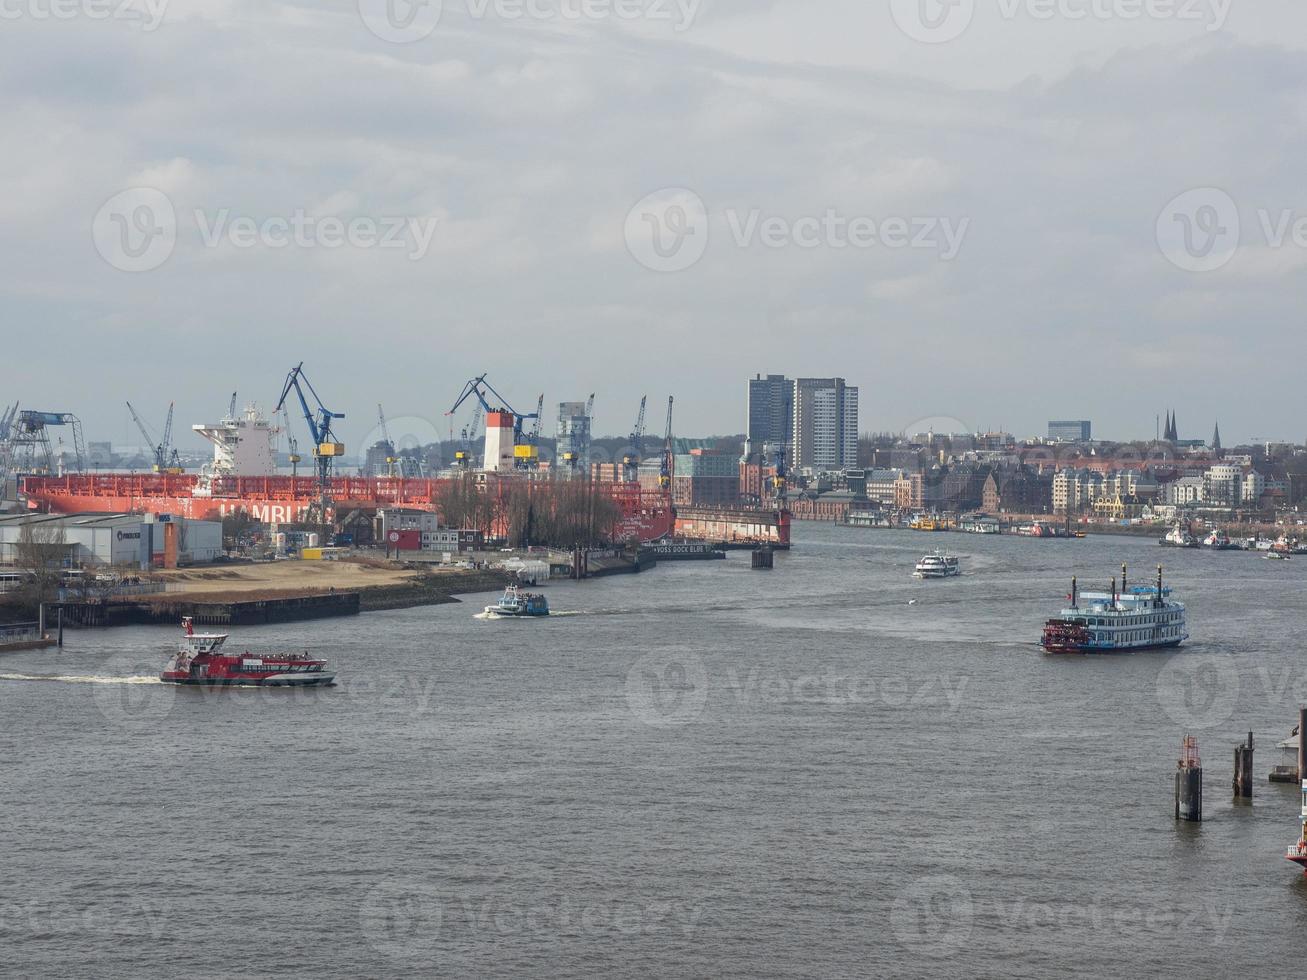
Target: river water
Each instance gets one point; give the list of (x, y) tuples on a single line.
[(699, 771)]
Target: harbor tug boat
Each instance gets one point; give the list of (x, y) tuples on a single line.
[(199, 660), (515, 602), (1140, 617), (938, 565), (1218, 540), (1178, 537)]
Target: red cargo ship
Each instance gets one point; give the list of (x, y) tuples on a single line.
[(643, 515), (198, 661)]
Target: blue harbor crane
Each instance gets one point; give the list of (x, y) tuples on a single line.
[(319, 419), (480, 388), (27, 448), (532, 459)]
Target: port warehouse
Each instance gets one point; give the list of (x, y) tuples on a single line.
[(122, 540)]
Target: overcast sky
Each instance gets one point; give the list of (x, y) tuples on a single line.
[(998, 213)]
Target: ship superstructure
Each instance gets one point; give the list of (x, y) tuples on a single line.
[(243, 445)]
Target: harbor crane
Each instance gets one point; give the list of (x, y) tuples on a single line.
[(231, 410), (631, 460), (386, 441), (292, 447), (780, 463), (463, 455), (480, 387), (319, 418), (532, 459), (665, 471), (29, 449), (166, 459), (6, 445)]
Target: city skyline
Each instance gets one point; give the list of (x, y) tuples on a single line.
[(406, 427)]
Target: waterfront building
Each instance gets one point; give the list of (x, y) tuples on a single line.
[(705, 478), (1185, 491), (825, 424), (1222, 485), (1075, 490), (1017, 490)]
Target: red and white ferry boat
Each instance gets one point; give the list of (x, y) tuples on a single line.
[(198, 660)]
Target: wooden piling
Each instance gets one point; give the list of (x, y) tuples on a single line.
[(1243, 770), (1302, 742), (1189, 782), (763, 558)]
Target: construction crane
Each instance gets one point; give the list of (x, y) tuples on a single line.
[(231, 411), (386, 441), (780, 462), (292, 447), (631, 461), (665, 471), (480, 387), (319, 419), (463, 455), (29, 449), (532, 459), (6, 446), (165, 457)]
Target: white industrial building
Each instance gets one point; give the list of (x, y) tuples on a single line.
[(122, 540)]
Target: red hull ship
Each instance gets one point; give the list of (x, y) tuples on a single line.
[(645, 515), (199, 662)]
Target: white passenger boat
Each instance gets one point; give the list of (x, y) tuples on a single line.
[(938, 565)]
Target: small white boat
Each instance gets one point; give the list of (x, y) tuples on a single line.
[(938, 565)]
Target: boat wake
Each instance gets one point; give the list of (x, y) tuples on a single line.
[(80, 679), (552, 615)]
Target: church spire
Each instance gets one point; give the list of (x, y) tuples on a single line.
[(1216, 438)]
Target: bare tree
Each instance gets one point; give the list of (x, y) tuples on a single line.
[(39, 554)]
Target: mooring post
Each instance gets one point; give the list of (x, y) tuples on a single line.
[(1189, 782), (61, 625), (1243, 770), (1302, 742), (40, 627)]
